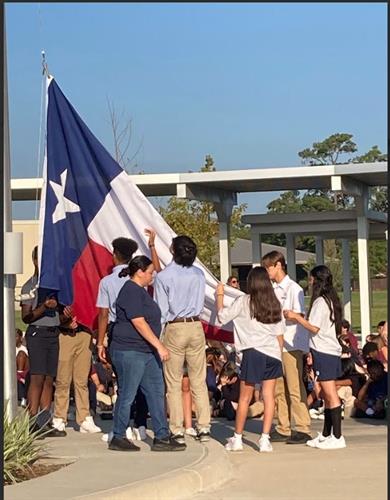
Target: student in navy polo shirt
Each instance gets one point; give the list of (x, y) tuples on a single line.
[(323, 322)]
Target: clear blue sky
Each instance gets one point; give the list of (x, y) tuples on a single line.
[(250, 84)]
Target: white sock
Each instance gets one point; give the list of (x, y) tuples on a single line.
[(238, 436), (265, 435)]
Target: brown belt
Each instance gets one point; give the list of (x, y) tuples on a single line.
[(184, 320)]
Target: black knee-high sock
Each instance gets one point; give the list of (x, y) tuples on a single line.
[(327, 423), (336, 421)]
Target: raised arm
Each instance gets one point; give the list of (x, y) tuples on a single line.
[(153, 252)]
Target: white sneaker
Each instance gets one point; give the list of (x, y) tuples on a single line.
[(129, 434), (89, 426), (140, 433), (58, 423), (313, 413), (234, 444), (191, 432), (332, 443), (319, 439), (265, 444), (107, 437)]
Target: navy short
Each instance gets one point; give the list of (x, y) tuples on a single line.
[(257, 366), (326, 366), (43, 349)]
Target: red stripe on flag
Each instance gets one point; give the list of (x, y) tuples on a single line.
[(213, 332), (94, 263)]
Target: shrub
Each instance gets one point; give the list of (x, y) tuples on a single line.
[(21, 448)]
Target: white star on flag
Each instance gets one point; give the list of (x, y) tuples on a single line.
[(64, 205)]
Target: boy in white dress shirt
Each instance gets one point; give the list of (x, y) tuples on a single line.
[(290, 391)]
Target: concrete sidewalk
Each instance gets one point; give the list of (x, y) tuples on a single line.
[(97, 473), (291, 472), (297, 472)]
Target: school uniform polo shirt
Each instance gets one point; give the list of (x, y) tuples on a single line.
[(291, 297), (325, 340)]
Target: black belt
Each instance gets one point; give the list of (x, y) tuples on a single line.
[(72, 331), (48, 328), (185, 320)]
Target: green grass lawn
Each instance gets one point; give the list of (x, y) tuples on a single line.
[(378, 313)]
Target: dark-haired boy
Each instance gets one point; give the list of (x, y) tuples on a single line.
[(179, 290), (290, 392)]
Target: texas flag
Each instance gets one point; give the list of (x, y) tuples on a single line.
[(87, 201)]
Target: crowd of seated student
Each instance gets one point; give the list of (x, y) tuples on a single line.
[(358, 390)]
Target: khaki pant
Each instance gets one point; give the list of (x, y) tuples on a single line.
[(74, 363), (290, 395), (186, 341)]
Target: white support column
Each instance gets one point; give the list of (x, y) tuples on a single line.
[(224, 212), (291, 263), (346, 280), (320, 259), (256, 248), (364, 269), (224, 250)]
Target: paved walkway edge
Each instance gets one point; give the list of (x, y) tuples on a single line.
[(210, 471)]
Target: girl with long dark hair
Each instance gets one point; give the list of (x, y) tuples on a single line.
[(258, 332), (324, 320)]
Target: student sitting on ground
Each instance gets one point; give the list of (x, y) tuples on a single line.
[(346, 332), (348, 385), (370, 351), (372, 397), (229, 385)]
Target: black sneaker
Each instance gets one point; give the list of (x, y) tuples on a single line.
[(299, 438), (122, 444), (52, 432), (167, 444), (276, 437), (179, 437), (203, 436)]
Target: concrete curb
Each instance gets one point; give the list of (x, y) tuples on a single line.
[(209, 471)]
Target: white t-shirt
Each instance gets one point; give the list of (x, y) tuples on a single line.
[(291, 297), (325, 340), (250, 333), (21, 348)]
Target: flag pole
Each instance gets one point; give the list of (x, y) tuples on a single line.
[(9, 278)]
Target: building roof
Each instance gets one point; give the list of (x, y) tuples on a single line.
[(241, 253)]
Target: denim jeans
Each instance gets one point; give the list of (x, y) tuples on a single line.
[(139, 369)]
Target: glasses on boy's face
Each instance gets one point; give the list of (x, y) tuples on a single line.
[(234, 282)]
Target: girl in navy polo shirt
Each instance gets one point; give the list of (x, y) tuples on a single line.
[(324, 321)]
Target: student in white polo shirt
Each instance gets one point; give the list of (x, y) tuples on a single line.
[(324, 321), (258, 331), (290, 393)]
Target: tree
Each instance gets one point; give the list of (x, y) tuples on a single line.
[(122, 132), (328, 151), (198, 220)]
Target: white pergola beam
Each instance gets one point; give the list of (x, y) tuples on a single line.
[(346, 280), (346, 185)]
